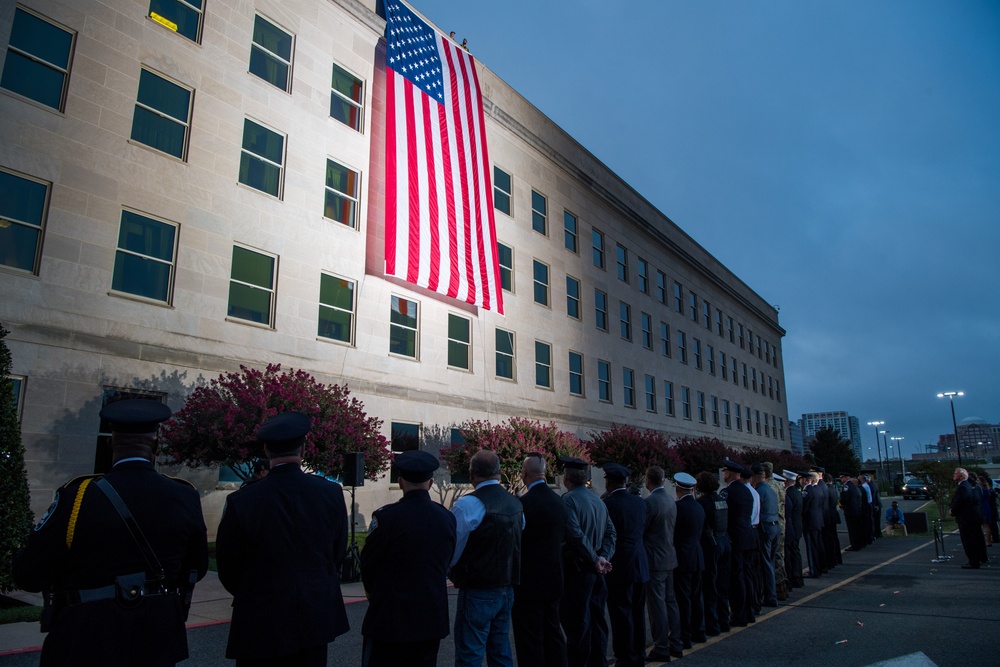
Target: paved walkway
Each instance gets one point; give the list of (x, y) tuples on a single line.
[(211, 604)]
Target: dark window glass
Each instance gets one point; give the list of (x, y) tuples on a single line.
[(543, 365), (458, 342), (341, 194), (570, 232), (262, 158), (38, 57), (251, 287), (144, 261), (271, 53), (505, 354), (403, 327), (501, 190), (336, 308), (181, 16), (22, 212), (161, 114), (505, 256), (539, 215), (347, 98)]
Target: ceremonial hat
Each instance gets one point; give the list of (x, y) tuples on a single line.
[(817, 469), (729, 464), (416, 466), (846, 474), (757, 469), (684, 480), (790, 475), (135, 415), (284, 432), (573, 463), (615, 471)]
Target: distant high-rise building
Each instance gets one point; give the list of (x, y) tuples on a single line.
[(848, 427), (795, 437)]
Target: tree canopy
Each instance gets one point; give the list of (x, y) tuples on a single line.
[(15, 502), (834, 453)]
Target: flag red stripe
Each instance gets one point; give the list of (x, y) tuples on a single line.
[(390, 170)]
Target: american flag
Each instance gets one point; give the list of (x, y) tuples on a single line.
[(440, 232)]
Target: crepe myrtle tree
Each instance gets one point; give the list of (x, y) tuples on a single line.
[(15, 506), (634, 448), (218, 422), (512, 440)]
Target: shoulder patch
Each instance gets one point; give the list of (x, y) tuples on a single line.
[(48, 512), (374, 524)]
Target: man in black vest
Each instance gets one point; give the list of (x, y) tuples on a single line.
[(404, 567), (83, 554), (486, 565), (538, 634)]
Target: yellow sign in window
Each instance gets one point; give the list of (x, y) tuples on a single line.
[(163, 21)]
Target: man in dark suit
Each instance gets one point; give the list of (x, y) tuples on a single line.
[(831, 519), (850, 501), (279, 549), (876, 507), (690, 560), (793, 529), (661, 603), (629, 569), (404, 567), (740, 504), (105, 603), (538, 636), (813, 504), (965, 509)]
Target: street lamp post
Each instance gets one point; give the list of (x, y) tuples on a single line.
[(951, 399), (899, 443), (885, 438), (877, 445)]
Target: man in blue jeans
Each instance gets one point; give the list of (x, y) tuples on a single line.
[(486, 565)]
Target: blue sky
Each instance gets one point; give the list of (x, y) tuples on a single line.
[(842, 158)]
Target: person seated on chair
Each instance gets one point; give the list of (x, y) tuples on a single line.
[(894, 518)]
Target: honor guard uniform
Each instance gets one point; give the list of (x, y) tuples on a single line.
[(116, 556), (404, 567)]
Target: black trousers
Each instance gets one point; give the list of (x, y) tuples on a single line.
[(404, 654), (793, 563), (709, 587), (689, 599), (583, 619), (627, 611), (725, 557), (741, 592), (314, 656), (538, 634), (973, 541)]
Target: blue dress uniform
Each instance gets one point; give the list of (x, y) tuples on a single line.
[(793, 530), (690, 561), (717, 551), (404, 567), (82, 544), (279, 548), (739, 501)]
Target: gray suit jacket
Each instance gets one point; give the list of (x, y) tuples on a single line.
[(659, 536)]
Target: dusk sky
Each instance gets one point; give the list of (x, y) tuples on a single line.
[(841, 158)]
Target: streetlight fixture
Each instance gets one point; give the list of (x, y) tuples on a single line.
[(885, 440), (878, 446), (899, 439), (951, 399)]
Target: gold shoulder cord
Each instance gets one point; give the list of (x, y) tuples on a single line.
[(71, 527)]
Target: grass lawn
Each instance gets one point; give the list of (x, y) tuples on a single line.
[(19, 613)]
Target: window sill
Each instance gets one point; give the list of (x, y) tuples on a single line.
[(141, 299), (250, 323), (155, 151)]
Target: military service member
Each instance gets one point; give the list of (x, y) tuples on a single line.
[(115, 596)]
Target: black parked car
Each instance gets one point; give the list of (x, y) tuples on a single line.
[(916, 488)]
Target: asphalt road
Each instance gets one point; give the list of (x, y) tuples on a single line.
[(886, 605)]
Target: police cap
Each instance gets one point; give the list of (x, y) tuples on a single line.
[(732, 465), (817, 469), (284, 432), (135, 415), (616, 471), (415, 465), (573, 463), (790, 475), (684, 480)]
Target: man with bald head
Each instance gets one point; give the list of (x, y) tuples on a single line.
[(538, 634), (965, 509)]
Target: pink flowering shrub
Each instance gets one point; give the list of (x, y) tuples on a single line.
[(512, 440), (704, 453), (217, 424), (634, 448)]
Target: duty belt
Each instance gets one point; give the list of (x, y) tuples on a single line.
[(148, 589), (770, 523)]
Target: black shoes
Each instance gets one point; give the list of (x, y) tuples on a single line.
[(970, 566), (657, 657)]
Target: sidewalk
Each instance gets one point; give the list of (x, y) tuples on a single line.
[(211, 604)]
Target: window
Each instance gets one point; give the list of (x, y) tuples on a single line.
[(706, 314), (718, 321), (597, 240), (505, 354), (17, 383), (750, 341), (38, 59), (540, 272), (336, 308), (760, 352), (753, 373), (729, 328), (736, 378), (573, 297), (679, 298), (459, 342), (403, 327), (576, 373), (696, 344), (539, 217), (682, 346), (746, 384), (502, 189), (710, 353), (722, 365), (664, 339), (262, 158), (162, 114), (739, 330), (770, 387), (341, 194), (628, 387), (570, 236), (543, 365), (781, 428), (23, 210), (621, 259), (661, 287), (686, 403), (144, 260), (251, 286), (726, 415), (505, 256), (668, 397), (650, 393), (182, 16), (767, 426), (749, 424), (643, 273), (601, 310), (693, 306), (767, 352), (777, 390), (757, 421), (715, 410), (701, 407), (625, 320), (271, 54), (739, 417), (647, 330), (774, 356), (604, 381), (347, 98), (403, 437)]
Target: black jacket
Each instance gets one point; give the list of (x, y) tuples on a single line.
[(628, 513), (740, 502), (793, 514), (687, 535), (279, 548), (542, 544)]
